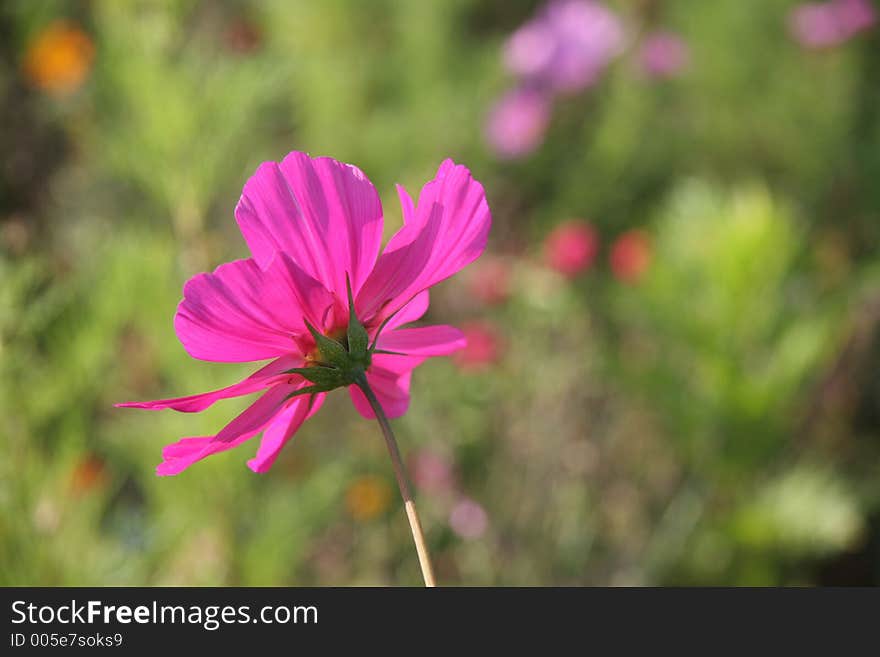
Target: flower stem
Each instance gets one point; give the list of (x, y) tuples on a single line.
[(403, 482)]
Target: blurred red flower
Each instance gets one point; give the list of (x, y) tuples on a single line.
[(631, 255), (484, 346), (571, 248), (489, 282), (242, 36)]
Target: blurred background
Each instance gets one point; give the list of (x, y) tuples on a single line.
[(672, 369)]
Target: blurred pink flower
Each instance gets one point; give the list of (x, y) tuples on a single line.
[(432, 472), (566, 46), (484, 346), (631, 255), (311, 224), (815, 25), (856, 15), (517, 123), (468, 519), (828, 24), (489, 280), (663, 55), (571, 248)]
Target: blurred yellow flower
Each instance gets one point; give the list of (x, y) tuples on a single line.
[(59, 58), (367, 498)]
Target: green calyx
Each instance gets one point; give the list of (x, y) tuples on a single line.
[(340, 364)]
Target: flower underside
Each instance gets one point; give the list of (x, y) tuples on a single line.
[(314, 230), (340, 358)]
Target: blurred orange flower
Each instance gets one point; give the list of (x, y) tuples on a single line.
[(88, 474), (59, 58), (367, 498)]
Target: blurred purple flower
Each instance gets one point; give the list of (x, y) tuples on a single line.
[(517, 123), (566, 46), (663, 55), (468, 519), (828, 24), (856, 15)]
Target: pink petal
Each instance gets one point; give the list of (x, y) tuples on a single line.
[(423, 341), (282, 429), (260, 379), (389, 377), (444, 232), (185, 447), (182, 454), (178, 456), (410, 312), (323, 213), (257, 415), (244, 313)]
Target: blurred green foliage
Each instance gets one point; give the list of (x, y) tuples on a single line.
[(713, 422)]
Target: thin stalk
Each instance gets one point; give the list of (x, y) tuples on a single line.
[(403, 482)]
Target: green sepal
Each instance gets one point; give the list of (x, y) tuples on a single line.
[(324, 376), (308, 390), (332, 352), (358, 339), (339, 364)]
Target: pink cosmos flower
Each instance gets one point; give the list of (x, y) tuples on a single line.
[(567, 46), (518, 122), (663, 55), (571, 248), (312, 224), (827, 24)]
